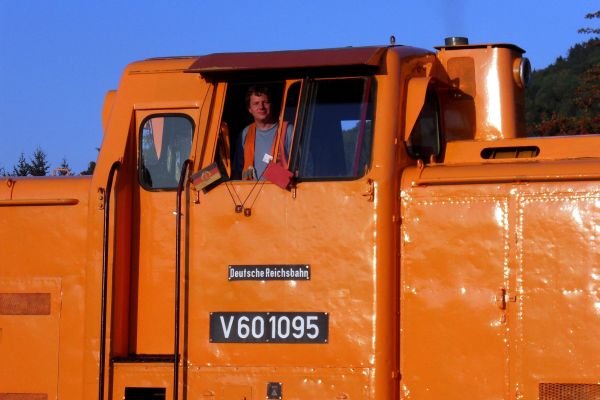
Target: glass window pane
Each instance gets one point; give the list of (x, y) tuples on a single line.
[(165, 143), (338, 131), (424, 140)]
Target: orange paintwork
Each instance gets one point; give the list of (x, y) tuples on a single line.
[(489, 100), (460, 276)]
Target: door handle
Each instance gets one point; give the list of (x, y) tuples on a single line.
[(502, 298)]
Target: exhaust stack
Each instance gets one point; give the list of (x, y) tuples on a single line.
[(487, 90), (456, 41)]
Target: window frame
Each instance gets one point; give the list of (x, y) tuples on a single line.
[(139, 133), (307, 99)]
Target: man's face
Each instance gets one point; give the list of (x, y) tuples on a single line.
[(260, 108)]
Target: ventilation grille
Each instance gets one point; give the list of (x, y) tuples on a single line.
[(569, 391), (142, 393), (493, 153)]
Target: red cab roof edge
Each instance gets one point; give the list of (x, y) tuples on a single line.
[(336, 57)]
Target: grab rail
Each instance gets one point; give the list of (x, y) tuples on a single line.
[(105, 235), (184, 170)]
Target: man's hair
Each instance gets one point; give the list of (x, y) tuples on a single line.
[(257, 91)]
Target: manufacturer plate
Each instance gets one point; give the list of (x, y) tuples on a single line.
[(287, 272)]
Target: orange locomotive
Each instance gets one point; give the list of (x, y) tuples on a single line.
[(422, 248)]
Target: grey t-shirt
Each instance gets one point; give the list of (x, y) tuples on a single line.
[(263, 144)]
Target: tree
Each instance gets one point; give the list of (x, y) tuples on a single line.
[(564, 98), (90, 169), (91, 166), (588, 91), (39, 165), (64, 168), (22, 168), (594, 31)]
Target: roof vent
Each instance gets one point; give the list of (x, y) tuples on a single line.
[(456, 41)]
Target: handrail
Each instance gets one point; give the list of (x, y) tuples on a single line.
[(184, 170), (504, 179), (115, 166), (38, 202)]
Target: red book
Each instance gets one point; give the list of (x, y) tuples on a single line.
[(278, 175)]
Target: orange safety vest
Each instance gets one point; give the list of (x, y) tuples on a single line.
[(277, 143)]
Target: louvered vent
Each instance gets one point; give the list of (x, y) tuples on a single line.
[(569, 391)]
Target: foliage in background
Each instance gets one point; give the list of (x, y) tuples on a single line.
[(90, 169), (564, 98), (64, 168), (593, 31), (22, 167), (39, 166)]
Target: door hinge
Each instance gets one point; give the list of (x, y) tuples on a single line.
[(369, 190), (101, 198)]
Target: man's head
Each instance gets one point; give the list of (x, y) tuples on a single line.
[(258, 102)]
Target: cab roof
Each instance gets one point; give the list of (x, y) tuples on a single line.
[(352, 57)]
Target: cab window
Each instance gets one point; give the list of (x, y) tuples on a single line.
[(165, 143), (328, 127), (337, 133), (424, 140)]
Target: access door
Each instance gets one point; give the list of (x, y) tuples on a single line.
[(164, 142), (454, 275), (556, 350)]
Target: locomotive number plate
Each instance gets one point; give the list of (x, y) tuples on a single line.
[(269, 327)]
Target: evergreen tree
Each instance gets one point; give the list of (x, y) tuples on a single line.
[(556, 100), (39, 165), (588, 91), (594, 31), (90, 169), (564, 98), (64, 168), (22, 168), (91, 166)]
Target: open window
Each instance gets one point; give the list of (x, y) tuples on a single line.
[(284, 100), (165, 143), (325, 127)]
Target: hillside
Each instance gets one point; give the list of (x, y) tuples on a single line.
[(564, 98)]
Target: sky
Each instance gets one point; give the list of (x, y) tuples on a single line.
[(58, 58)]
